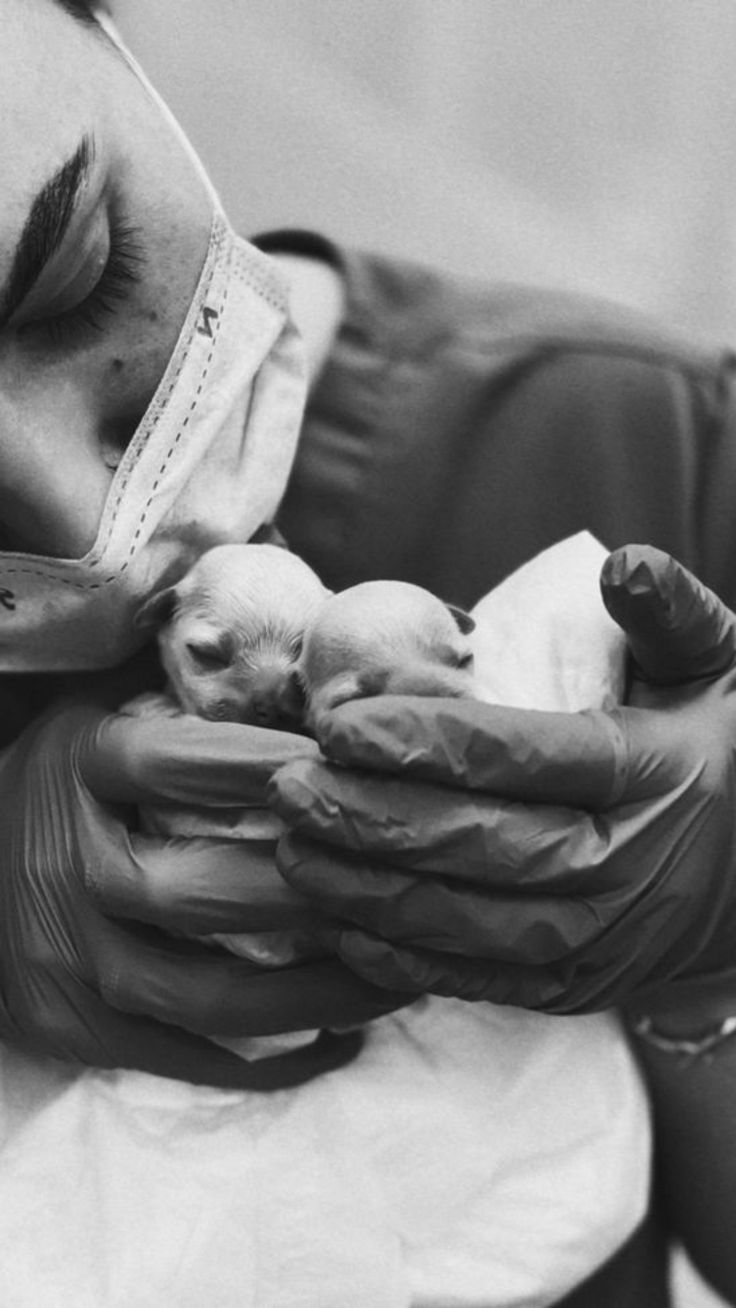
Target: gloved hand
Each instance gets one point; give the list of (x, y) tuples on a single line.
[(87, 971), (565, 862)]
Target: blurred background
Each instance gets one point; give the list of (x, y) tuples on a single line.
[(576, 142), (572, 141)]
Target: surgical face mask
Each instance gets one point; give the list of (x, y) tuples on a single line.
[(207, 465)]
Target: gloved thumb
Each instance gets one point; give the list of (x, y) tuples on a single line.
[(677, 629)]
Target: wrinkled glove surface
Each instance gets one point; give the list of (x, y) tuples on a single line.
[(88, 971), (564, 862)]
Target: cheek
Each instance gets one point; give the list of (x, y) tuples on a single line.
[(64, 425), (53, 476)]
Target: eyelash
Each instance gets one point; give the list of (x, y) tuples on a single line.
[(121, 273)]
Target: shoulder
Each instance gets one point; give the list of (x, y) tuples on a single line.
[(404, 308), (435, 310)]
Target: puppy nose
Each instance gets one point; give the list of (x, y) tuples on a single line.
[(280, 703)]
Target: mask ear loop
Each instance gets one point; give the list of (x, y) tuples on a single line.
[(107, 24), (267, 269)]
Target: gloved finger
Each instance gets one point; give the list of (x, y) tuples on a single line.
[(550, 989), (214, 994), (420, 827), (677, 629), (441, 914), (195, 886), (520, 753), (118, 1040), (186, 761)]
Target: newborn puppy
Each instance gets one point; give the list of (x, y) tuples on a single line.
[(230, 634), (384, 638)]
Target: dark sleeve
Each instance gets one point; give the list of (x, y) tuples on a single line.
[(17, 707), (455, 432), (24, 697)]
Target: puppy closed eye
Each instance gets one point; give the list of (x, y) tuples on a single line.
[(458, 658), (207, 657), (464, 660)]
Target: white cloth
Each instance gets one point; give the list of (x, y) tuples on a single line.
[(543, 639), (471, 1156)]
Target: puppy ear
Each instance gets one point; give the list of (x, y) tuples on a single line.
[(156, 610), (464, 622)]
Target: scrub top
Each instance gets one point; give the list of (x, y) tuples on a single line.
[(456, 430)]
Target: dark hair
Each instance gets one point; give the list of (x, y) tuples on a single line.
[(83, 10)]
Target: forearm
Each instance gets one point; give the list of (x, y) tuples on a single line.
[(694, 1104)]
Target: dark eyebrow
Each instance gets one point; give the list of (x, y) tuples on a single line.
[(45, 227)]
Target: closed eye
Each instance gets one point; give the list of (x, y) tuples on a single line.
[(463, 660), (451, 656), (120, 273), (208, 658)]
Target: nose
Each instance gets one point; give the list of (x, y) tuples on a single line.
[(278, 701)]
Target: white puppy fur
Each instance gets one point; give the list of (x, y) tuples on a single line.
[(230, 634), (250, 634), (384, 638)]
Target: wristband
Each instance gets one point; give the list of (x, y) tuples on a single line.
[(644, 1029)]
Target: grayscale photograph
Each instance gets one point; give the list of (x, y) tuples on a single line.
[(367, 654)]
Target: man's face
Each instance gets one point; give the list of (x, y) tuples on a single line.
[(104, 228)]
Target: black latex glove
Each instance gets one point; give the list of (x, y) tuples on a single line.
[(564, 862), (81, 976)]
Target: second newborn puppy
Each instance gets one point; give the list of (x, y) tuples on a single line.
[(385, 638)]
